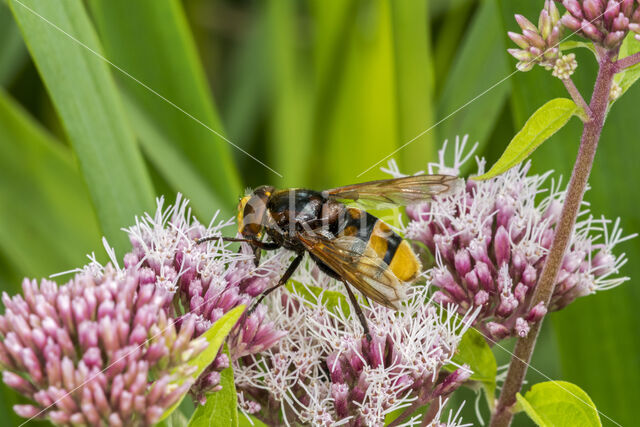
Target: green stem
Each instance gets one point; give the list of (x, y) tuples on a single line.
[(544, 290)]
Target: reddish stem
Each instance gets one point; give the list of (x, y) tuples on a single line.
[(627, 62), (544, 290)]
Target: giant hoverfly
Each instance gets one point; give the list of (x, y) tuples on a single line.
[(347, 243)]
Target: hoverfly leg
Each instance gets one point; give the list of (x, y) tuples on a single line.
[(285, 277), (358, 309), (267, 246)]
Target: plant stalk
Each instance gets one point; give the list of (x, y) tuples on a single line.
[(546, 284), (576, 96), (628, 61)]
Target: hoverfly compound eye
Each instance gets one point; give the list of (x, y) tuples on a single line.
[(241, 205)]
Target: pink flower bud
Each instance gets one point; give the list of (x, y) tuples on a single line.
[(502, 246), (519, 39), (536, 313), (462, 262), (497, 330), (522, 327)]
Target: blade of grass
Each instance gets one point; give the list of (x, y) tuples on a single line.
[(246, 98), (47, 223), (290, 133), (151, 40), (172, 164), (362, 124), (480, 62), (414, 77), (13, 53), (87, 101), (596, 335)]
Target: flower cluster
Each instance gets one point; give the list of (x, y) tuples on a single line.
[(113, 345), (606, 23), (208, 279), (490, 242), (100, 349), (325, 372), (538, 45)]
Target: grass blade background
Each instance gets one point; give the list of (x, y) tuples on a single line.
[(597, 335), (13, 53), (480, 63), (46, 222), (414, 81), (173, 165), (87, 101), (361, 127), (290, 98), (129, 32)]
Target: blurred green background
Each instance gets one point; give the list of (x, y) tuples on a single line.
[(318, 90)]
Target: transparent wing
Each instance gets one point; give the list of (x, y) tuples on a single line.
[(397, 191), (358, 265)]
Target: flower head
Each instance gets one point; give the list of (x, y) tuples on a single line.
[(326, 372), (490, 242), (100, 349), (538, 45), (208, 279), (605, 22)]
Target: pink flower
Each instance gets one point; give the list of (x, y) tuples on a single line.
[(490, 241)]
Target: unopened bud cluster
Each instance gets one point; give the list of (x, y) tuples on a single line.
[(538, 45), (490, 241), (606, 23), (101, 349)]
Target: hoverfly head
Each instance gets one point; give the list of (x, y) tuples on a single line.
[(252, 209)]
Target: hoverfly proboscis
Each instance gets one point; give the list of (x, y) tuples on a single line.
[(347, 243)]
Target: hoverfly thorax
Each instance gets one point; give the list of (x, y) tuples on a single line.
[(252, 209)]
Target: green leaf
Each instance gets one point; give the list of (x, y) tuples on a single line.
[(469, 102), (172, 163), (359, 125), (290, 132), (215, 336), (47, 224), (415, 81), (151, 41), (176, 419), (87, 101), (558, 404), (474, 351), (575, 44), (546, 121), (629, 76), (250, 421), (221, 408), (332, 300), (13, 53)]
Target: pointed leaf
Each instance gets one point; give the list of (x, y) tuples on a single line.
[(13, 53), (332, 300), (152, 42), (215, 336), (47, 223), (221, 408), (64, 46), (474, 93), (559, 404), (546, 121), (625, 79)]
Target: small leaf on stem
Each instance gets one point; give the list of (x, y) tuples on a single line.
[(559, 403), (545, 122), (221, 408), (215, 336)]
